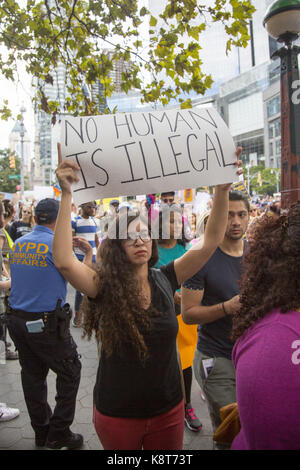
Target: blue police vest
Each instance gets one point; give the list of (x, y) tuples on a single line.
[(36, 284)]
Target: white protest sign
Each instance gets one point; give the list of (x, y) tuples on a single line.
[(139, 153)]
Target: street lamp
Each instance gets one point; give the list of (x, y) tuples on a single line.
[(277, 179), (22, 134), (282, 21), (248, 166)]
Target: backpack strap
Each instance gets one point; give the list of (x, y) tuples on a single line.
[(163, 284)]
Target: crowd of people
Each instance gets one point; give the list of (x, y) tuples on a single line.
[(167, 295)]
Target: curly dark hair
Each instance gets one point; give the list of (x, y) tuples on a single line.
[(116, 315), (271, 278)]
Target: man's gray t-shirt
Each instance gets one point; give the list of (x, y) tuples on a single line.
[(220, 280)]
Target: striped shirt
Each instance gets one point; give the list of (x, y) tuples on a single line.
[(86, 228)]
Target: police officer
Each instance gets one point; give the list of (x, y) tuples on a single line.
[(38, 323)]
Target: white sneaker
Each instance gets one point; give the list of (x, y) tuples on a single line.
[(76, 322), (6, 414)]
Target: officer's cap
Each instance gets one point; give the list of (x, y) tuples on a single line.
[(46, 211), (114, 201)]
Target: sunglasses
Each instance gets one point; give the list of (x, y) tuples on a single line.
[(27, 212), (168, 199), (144, 235)]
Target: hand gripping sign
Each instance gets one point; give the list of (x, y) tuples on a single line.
[(140, 153)]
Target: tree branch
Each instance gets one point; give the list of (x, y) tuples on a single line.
[(94, 34), (70, 21)]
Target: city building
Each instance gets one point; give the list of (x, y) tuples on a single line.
[(45, 151), (97, 90), (272, 129), (241, 104), (120, 66), (98, 95)]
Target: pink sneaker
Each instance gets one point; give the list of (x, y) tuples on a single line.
[(191, 420)]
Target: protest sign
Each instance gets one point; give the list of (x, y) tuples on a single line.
[(139, 153), (240, 186), (188, 195)]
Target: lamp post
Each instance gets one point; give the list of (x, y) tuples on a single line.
[(282, 21), (248, 177), (277, 179), (22, 134)]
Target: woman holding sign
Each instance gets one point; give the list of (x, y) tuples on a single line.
[(138, 396)]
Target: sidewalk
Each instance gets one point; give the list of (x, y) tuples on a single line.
[(18, 434)]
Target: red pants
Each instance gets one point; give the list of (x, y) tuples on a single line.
[(162, 432)]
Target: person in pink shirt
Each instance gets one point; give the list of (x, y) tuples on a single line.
[(266, 354)]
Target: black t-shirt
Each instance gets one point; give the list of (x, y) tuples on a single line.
[(127, 388), (18, 229), (220, 280)]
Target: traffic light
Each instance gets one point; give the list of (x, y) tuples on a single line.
[(12, 162)]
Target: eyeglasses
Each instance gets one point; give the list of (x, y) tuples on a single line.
[(91, 207), (144, 235), (166, 200)]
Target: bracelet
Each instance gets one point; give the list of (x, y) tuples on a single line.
[(226, 314)]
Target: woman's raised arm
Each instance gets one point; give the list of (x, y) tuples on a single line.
[(81, 276), (197, 256)]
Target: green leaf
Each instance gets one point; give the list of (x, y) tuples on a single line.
[(143, 11), (152, 21), (186, 104)]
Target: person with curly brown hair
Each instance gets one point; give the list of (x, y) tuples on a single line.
[(266, 329), (210, 299), (138, 399)]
